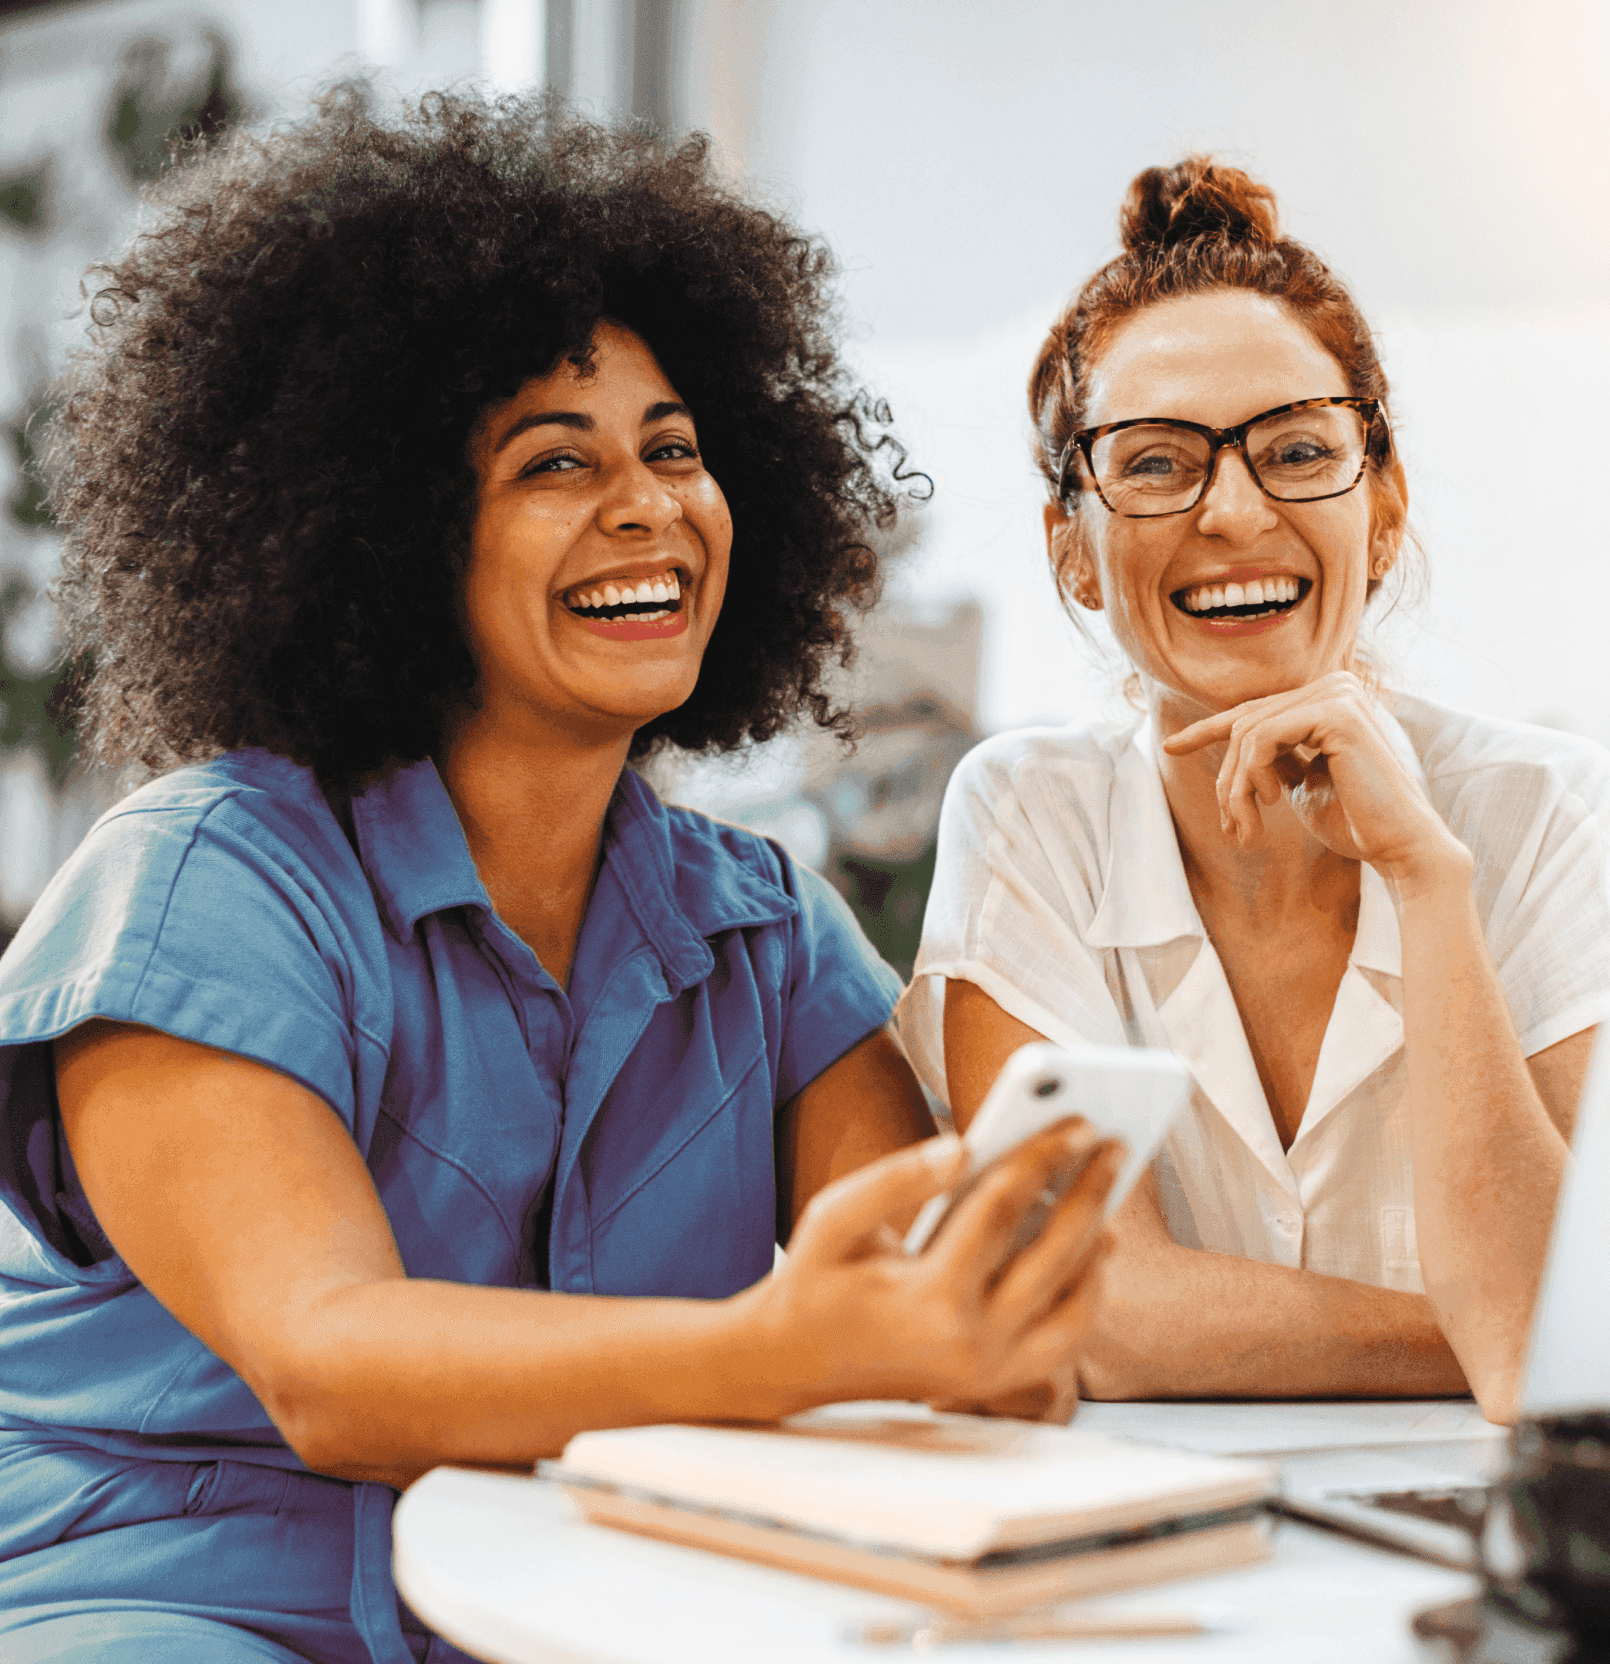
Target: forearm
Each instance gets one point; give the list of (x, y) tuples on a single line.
[(391, 1378), (1183, 1323), (1488, 1161)]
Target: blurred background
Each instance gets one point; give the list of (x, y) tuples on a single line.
[(966, 163)]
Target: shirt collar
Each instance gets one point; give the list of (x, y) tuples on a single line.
[(413, 849), (1147, 900), (1377, 944), (682, 878)]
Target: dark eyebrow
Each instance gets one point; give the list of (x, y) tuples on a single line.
[(536, 419), (581, 423)]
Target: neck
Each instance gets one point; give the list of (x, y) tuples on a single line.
[(1287, 870), (532, 800)]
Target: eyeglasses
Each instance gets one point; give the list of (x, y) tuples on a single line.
[(1305, 452)]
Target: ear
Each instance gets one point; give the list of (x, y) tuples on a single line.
[(1071, 565), (1389, 511)]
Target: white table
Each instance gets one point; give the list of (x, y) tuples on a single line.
[(505, 1569)]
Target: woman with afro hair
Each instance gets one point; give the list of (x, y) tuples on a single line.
[(393, 1079)]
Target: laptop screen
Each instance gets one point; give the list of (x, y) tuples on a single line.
[(1568, 1361)]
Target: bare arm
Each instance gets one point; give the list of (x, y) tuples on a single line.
[(241, 1202), (1489, 1136), (1178, 1322), (867, 1106), (1489, 1153)]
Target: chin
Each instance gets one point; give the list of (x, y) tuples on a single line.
[(1225, 691)]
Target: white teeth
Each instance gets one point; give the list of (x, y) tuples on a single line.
[(639, 593), (1259, 592)]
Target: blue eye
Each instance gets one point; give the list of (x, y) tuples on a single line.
[(1154, 465)]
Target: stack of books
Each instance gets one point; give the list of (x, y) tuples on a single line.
[(975, 1515)]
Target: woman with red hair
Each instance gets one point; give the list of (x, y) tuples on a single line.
[(1377, 930)]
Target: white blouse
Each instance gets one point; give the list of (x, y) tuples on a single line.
[(1060, 892)]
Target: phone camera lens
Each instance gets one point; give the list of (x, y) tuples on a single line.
[(1047, 1087)]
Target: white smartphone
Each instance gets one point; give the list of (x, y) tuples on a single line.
[(1123, 1092)]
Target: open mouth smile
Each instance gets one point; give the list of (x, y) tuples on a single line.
[(1236, 603), (631, 601)]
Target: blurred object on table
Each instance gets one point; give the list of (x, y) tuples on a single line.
[(1545, 1552)]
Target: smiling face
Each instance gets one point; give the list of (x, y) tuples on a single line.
[(1166, 583), (598, 552)]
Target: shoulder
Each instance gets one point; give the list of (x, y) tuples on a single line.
[(1477, 767), (1051, 779), (244, 788), (247, 808), (196, 858)]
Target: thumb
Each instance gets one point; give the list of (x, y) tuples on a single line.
[(842, 1216)]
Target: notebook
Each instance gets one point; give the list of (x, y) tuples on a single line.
[(977, 1515)]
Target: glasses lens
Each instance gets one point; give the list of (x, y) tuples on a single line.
[(1151, 468), (1303, 454)]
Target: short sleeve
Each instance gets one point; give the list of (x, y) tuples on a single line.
[(1538, 827), (207, 924), (838, 991), (1015, 887)]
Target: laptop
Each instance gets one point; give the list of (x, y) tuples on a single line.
[(1431, 1501)]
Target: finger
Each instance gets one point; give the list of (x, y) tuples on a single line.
[(1268, 768), (846, 1216), (1041, 1276), (1212, 730), (1209, 731), (1056, 1342), (1238, 815), (1046, 1400), (1263, 763), (979, 1233)]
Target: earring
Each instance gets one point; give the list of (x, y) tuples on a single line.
[(1087, 600), (1381, 567)]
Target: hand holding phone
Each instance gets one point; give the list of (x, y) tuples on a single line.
[(1123, 1092)]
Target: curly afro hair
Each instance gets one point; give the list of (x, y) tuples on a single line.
[(260, 460)]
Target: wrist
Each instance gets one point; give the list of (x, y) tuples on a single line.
[(1439, 872), (768, 1363)]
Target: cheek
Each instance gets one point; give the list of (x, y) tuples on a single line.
[(1132, 569), (710, 517)]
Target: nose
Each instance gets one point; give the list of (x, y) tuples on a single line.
[(1233, 506), (638, 501)]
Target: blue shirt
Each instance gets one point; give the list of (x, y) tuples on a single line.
[(615, 1139)]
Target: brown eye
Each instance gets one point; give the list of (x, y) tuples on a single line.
[(551, 465)]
